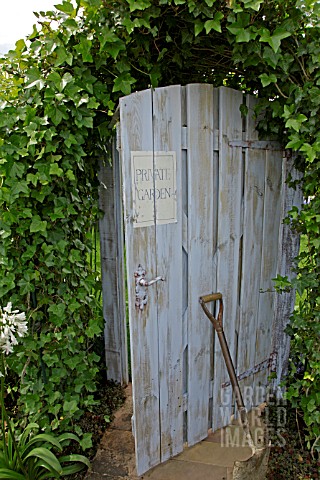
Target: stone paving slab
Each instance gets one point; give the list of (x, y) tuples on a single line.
[(211, 453), (183, 470)]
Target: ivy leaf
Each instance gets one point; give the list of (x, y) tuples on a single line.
[(66, 79), (54, 113), (93, 328), (309, 151), (37, 225), (198, 27), (29, 253), (288, 111), (33, 75), (55, 170), (271, 57), (25, 286), (37, 83), (86, 441), (295, 142), (244, 110), (278, 35), (62, 56), (17, 170), (50, 360), (267, 79), (84, 48), (56, 79), (57, 309), (114, 48), (20, 187), (296, 122), (138, 4), (254, 4), (70, 175), (214, 24), (26, 213), (155, 76), (20, 45), (65, 7), (107, 36), (84, 122), (123, 83), (244, 35), (70, 407)]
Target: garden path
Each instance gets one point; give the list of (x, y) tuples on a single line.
[(211, 459)]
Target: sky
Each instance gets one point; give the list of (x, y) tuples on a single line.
[(17, 19)]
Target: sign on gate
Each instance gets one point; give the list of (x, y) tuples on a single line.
[(154, 188)]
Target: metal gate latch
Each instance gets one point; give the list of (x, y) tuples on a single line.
[(141, 286)]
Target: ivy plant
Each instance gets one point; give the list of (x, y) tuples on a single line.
[(59, 89)]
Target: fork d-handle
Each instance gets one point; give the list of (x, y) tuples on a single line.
[(218, 326), (212, 297)]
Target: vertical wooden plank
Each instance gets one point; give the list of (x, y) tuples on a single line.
[(111, 246), (229, 235), (254, 200), (137, 135), (184, 185), (215, 202), (288, 249), (121, 280), (271, 226), (167, 137), (200, 260)]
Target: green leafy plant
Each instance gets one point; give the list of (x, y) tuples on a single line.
[(28, 455), (58, 91)]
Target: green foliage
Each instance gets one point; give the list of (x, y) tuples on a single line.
[(48, 205), (28, 454), (58, 93), (31, 456)]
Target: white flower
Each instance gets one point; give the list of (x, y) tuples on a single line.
[(8, 308), (12, 323)]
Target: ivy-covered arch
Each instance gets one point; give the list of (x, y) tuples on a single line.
[(58, 91)]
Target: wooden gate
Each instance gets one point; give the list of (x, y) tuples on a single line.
[(203, 203)]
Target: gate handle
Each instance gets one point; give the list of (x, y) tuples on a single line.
[(141, 284), (145, 283)]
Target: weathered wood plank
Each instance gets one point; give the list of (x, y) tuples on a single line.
[(271, 225), (167, 137), (137, 135), (111, 242), (215, 203), (288, 249), (121, 275), (184, 186), (253, 212), (200, 260), (229, 234)]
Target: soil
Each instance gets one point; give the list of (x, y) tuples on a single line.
[(290, 458), (111, 396)]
